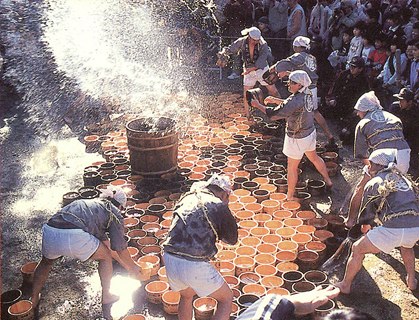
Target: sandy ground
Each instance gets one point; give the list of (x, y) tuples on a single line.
[(42, 158)]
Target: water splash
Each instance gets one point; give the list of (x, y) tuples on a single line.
[(115, 51)]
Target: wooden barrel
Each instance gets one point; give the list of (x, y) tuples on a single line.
[(153, 145)]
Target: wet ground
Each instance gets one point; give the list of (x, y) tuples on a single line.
[(42, 157)]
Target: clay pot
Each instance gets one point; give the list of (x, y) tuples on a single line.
[(316, 187), (248, 278), (286, 256), (226, 255), (255, 289), (286, 233), (232, 281), (316, 277), (170, 301), (244, 215), (286, 266), (266, 248), (336, 224), (204, 308), (273, 225), (259, 232), (279, 291), (318, 223), (27, 271), (262, 218), (273, 239), (261, 195), (321, 311), (247, 224), (255, 207), (322, 235), (318, 247), (250, 185), (9, 298), (292, 222), (282, 214), (264, 270), (265, 258), (302, 286), (227, 268), (251, 241), (332, 168), (307, 260), (291, 277), (301, 239), (21, 310), (270, 206), (305, 215), (271, 282), (246, 300), (243, 264), (292, 206), (245, 251), (154, 291), (155, 262)]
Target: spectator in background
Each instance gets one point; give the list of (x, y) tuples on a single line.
[(377, 58), (355, 49), (296, 23), (339, 58), (413, 80), (373, 16), (414, 36), (318, 20), (367, 45), (342, 17), (277, 14), (395, 30), (347, 88), (409, 55)]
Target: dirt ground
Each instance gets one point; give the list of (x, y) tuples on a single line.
[(42, 157)]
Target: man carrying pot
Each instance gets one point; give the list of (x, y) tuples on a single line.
[(376, 130), (392, 197), (300, 136), (79, 230), (201, 218), (254, 52)]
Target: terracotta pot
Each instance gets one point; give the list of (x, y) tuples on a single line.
[(154, 291), (204, 308), (291, 277), (265, 258), (259, 231), (292, 222), (27, 271), (316, 277), (292, 206), (271, 282), (9, 298), (247, 224), (301, 239), (155, 262), (282, 214), (318, 223), (286, 256), (254, 207), (226, 255), (322, 235), (251, 241), (245, 251), (243, 264), (266, 248), (321, 311), (302, 286), (286, 233), (307, 260), (248, 278), (273, 225), (262, 218), (232, 281), (246, 300), (273, 239), (170, 301), (264, 270), (21, 310), (244, 215), (318, 247), (261, 195), (227, 268), (270, 206), (279, 291), (255, 289)]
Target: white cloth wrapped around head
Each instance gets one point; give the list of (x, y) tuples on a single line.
[(301, 41), (116, 193), (222, 182), (368, 102), (384, 157), (301, 77), (253, 32)]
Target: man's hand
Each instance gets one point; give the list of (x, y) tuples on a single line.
[(306, 302)]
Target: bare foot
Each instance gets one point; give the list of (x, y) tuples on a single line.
[(412, 284), (109, 298), (343, 287), (292, 199)]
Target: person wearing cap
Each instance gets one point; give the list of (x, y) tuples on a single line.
[(376, 130), (407, 110), (303, 60), (254, 53), (392, 197), (80, 230), (201, 218), (345, 91), (300, 136)]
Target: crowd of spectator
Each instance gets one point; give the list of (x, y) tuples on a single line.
[(360, 45)]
